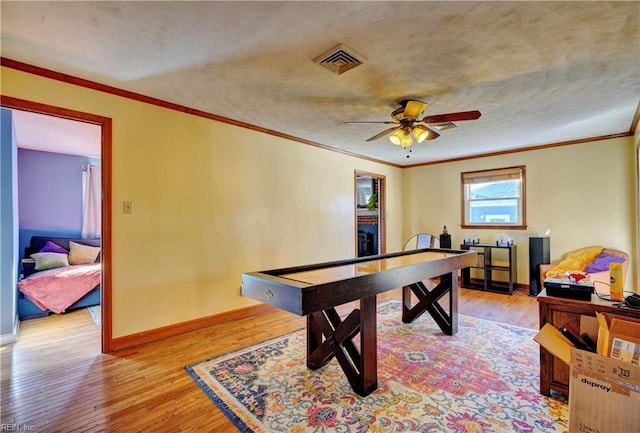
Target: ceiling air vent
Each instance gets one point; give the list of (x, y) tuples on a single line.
[(443, 126), (340, 59)]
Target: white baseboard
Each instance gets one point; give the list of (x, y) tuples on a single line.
[(13, 336)]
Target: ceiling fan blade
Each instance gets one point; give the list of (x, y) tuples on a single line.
[(452, 117), (383, 133), (432, 134), (414, 108), (386, 122)]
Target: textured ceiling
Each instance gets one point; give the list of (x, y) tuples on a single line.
[(55, 134), (540, 72)]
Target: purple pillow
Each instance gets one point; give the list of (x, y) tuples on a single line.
[(52, 247), (602, 262)]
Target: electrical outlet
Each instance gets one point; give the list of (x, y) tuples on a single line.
[(127, 207)]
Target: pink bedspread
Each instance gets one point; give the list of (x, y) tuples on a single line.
[(57, 289)]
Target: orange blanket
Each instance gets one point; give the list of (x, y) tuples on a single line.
[(57, 289)]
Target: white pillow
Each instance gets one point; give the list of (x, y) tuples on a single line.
[(80, 254), (49, 260)]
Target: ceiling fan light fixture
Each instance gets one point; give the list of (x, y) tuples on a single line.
[(411, 128), (406, 140), (396, 137), (420, 133), (401, 137)]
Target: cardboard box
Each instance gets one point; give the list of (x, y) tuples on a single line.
[(604, 393), (551, 339), (624, 341), (626, 328)]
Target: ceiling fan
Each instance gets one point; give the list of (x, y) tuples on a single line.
[(409, 126)]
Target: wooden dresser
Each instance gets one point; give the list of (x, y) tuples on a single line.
[(554, 374)]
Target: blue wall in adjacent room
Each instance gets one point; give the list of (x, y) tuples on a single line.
[(9, 256), (50, 194)]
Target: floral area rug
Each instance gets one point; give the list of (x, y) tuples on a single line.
[(483, 379)]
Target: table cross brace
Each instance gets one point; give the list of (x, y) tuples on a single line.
[(329, 336), (428, 301)]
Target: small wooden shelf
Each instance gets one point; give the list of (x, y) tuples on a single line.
[(487, 264)]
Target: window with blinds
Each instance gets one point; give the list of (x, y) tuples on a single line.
[(494, 198)]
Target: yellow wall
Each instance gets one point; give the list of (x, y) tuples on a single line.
[(210, 202), (583, 193), (636, 140), (213, 200)]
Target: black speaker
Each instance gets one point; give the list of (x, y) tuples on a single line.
[(445, 238), (539, 252)]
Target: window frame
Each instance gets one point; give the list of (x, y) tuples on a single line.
[(467, 178)]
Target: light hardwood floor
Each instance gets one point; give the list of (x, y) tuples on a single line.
[(54, 379)]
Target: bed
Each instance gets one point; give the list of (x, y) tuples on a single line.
[(59, 275)]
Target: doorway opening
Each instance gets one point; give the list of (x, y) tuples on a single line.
[(370, 211), (104, 124)]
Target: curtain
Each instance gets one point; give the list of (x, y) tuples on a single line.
[(91, 202)]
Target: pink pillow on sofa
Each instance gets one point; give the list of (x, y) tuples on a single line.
[(602, 262)]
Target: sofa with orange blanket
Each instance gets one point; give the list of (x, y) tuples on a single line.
[(591, 262)]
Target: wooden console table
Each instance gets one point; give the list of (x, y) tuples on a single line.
[(554, 374)]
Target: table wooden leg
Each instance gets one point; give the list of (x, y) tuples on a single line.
[(428, 301), (328, 336), (368, 346)]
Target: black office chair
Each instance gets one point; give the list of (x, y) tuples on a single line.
[(419, 241)]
